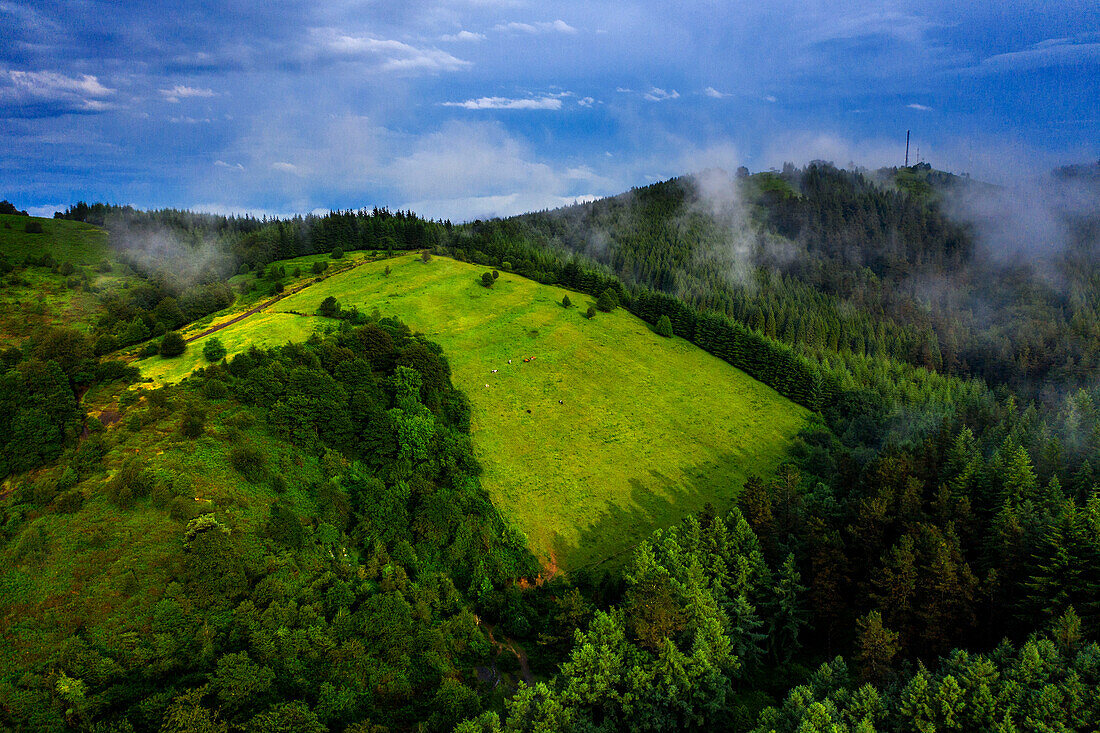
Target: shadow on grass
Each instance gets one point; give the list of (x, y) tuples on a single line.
[(656, 502)]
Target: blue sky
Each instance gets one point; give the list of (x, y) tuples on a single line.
[(470, 108)]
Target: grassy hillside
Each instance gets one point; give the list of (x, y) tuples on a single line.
[(647, 429), (43, 296)]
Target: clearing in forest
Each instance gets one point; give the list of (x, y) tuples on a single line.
[(607, 432)]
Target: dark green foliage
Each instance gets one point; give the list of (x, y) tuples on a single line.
[(249, 461), (172, 344), (7, 207), (33, 227), (487, 279), (590, 313), (215, 389), (337, 253), (318, 267), (330, 307), (565, 302), (425, 257), (664, 326), (608, 300), (213, 350), (193, 423), (495, 274)]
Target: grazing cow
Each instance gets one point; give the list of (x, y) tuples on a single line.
[(494, 371)]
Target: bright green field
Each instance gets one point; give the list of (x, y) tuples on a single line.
[(648, 430)]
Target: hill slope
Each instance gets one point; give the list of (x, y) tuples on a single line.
[(638, 439)]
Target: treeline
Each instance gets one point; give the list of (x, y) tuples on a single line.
[(853, 261)]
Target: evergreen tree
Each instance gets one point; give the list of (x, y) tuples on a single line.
[(664, 326)]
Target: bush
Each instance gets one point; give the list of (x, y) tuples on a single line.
[(105, 344), (297, 272), (590, 313), (278, 287), (319, 266), (215, 389), (565, 302), (337, 253), (172, 344), (487, 280), (249, 462), (495, 274), (213, 350), (149, 349), (329, 308), (34, 227), (608, 301), (426, 257), (67, 268), (664, 326), (193, 423)]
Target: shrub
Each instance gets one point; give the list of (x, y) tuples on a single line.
[(278, 287), (565, 302), (297, 272), (213, 350), (319, 266), (149, 349), (172, 344), (193, 423), (487, 280), (337, 253), (495, 274), (243, 269), (664, 326), (426, 257), (506, 265), (387, 271), (67, 268), (329, 308), (250, 462), (608, 301), (590, 313), (215, 389), (105, 344), (103, 267), (34, 227)]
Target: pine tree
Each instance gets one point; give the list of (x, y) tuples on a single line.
[(876, 648), (664, 326)]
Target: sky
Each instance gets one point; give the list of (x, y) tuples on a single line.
[(465, 109)]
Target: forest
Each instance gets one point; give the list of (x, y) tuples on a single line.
[(927, 558)]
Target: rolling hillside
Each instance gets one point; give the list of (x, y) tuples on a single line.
[(610, 431)]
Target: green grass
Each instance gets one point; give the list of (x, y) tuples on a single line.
[(649, 429), (79, 243), (34, 297), (264, 329)]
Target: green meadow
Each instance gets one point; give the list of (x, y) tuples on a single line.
[(36, 297), (606, 433)]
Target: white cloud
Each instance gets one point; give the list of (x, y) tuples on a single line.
[(230, 166), (557, 26), (285, 167), (462, 36), (1051, 52), (586, 102), (179, 91), (189, 120), (548, 102), (624, 90), (69, 93), (714, 93), (770, 98), (656, 94), (919, 107), (387, 55)]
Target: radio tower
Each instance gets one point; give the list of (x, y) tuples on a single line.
[(906, 148)]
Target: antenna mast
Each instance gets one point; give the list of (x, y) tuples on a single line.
[(906, 148)]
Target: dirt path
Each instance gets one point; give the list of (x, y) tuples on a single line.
[(512, 646)]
